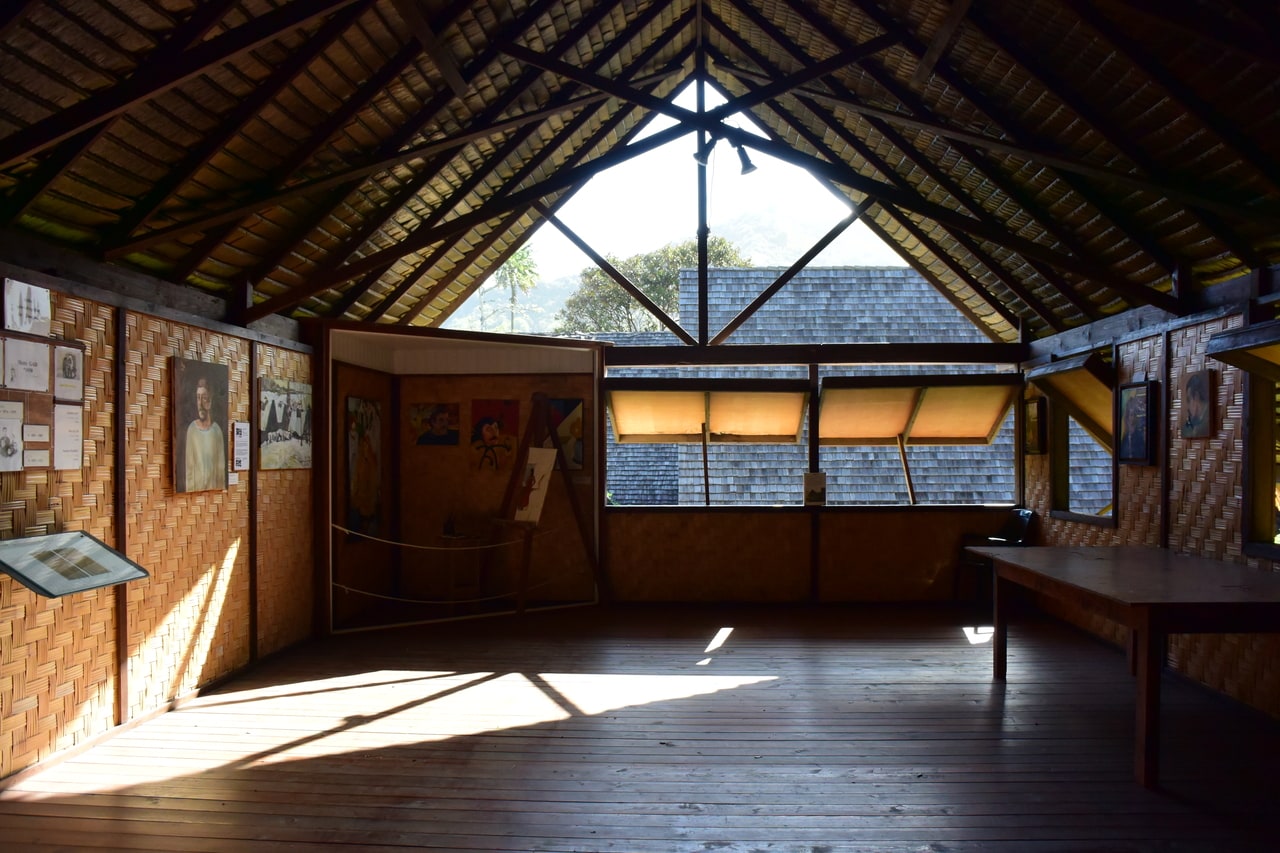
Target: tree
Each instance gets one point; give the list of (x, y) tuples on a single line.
[(601, 305), (519, 274)]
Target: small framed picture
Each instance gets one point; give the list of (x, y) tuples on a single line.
[(1196, 417), (1033, 436), (1134, 414)]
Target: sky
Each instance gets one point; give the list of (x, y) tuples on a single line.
[(651, 201)]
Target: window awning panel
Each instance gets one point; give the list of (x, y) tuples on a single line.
[(673, 411), (1085, 384), (1253, 348), (923, 410)]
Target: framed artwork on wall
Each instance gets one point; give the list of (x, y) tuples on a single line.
[(364, 465), (1196, 418), (1136, 445), (284, 424), (199, 417), (1033, 436)]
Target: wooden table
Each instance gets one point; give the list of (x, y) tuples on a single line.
[(1152, 591)]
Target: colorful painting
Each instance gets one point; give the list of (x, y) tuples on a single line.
[(364, 464), (284, 424), (434, 423), (568, 420), (493, 428), (199, 420)]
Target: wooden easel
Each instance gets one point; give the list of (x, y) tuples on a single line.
[(537, 430)]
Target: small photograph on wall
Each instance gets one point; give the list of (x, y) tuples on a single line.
[(11, 444), (284, 424), (199, 404), (1136, 438), (567, 419), (434, 423), (1033, 443), (68, 374), (27, 308), (1197, 405), (493, 427), (364, 465)]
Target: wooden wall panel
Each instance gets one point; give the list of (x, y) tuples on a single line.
[(189, 622), (863, 552), (57, 656), (286, 562), (738, 556)]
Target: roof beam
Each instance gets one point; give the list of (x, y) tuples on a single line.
[(878, 163), (51, 167), (137, 89), (1206, 114), (232, 124), (1207, 209), (446, 63), (1193, 21), (1004, 120), (908, 353), (269, 196), (941, 41), (614, 273), (411, 244)]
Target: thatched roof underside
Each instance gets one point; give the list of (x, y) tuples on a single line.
[(1043, 163)]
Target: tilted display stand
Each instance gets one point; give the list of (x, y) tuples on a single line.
[(539, 429)]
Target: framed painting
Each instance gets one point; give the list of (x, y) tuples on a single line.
[(1196, 417), (199, 417), (1033, 424), (1136, 445), (284, 424), (364, 465)]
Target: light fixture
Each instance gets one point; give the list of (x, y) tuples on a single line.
[(703, 154), (747, 166)]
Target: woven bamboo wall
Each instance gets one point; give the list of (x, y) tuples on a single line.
[(286, 564), (1205, 483), (57, 656), (188, 622)]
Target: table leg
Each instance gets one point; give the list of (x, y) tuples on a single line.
[(1150, 660), (1000, 625)]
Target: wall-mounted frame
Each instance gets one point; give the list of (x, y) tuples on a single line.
[(1136, 419), (1195, 419), (199, 419), (58, 564), (1033, 426)]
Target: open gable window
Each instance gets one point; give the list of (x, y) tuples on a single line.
[(711, 441), (1256, 350), (1081, 392), (936, 425)]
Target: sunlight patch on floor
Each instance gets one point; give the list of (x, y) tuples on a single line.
[(979, 634)]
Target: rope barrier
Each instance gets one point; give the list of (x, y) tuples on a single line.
[(484, 547)]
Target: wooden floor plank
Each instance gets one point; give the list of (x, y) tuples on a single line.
[(811, 729)]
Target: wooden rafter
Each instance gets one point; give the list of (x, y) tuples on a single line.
[(412, 244), (159, 61), (616, 275), (1203, 205), (911, 153), (941, 41), (446, 63), (78, 117), (233, 123)]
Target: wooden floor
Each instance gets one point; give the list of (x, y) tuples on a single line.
[(841, 729)]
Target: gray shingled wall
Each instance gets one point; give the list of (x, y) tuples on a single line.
[(821, 305)]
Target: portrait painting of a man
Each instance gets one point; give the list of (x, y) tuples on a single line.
[(199, 425)]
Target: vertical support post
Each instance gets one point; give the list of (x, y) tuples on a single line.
[(120, 513), (1150, 657), (1000, 623)]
